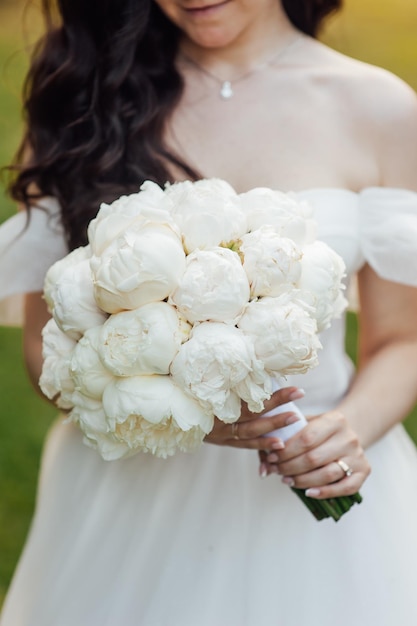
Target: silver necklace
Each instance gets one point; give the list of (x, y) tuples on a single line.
[(226, 89)]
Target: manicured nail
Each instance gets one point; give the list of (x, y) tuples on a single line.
[(292, 419), (287, 480), (272, 458), (297, 394), (278, 445), (263, 472), (273, 469), (312, 493)]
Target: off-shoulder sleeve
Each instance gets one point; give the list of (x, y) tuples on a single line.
[(388, 232), (27, 250)]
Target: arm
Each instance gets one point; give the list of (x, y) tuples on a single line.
[(36, 316), (383, 392), (385, 388)]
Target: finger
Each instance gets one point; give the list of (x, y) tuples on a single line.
[(251, 429), (320, 456), (318, 430), (320, 477), (257, 443), (265, 468), (345, 487), (282, 396), (333, 474), (262, 455), (278, 398), (252, 434), (270, 468)]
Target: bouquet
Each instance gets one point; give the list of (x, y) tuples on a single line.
[(186, 301)]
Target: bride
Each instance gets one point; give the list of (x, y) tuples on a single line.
[(128, 90)]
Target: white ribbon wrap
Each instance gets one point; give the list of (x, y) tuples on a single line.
[(287, 431)]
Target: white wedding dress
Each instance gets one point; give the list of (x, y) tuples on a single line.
[(201, 540)]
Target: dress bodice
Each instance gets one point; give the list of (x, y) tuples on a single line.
[(377, 225)]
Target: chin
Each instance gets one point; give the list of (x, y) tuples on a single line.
[(211, 38)]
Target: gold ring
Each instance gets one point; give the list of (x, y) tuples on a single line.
[(345, 467), (235, 430)]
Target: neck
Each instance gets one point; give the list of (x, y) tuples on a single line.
[(254, 45)]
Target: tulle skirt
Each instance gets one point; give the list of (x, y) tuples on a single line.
[(201, 540)]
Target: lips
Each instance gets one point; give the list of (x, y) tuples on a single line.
[(207, 8)]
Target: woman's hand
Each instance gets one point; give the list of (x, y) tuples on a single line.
[(310, 458), (251, 429)]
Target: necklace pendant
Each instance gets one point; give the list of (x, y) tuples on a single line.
[(226, 91)]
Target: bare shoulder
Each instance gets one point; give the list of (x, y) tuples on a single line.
[(381, 108), (381, 96), (372, 90)]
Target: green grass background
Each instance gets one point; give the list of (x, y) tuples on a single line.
[(382, 32)]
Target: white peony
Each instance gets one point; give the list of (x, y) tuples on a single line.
[(143, 341), (321, 283), (282, 211), (144, 379), (57, 350), (213, 287), (163, 440), (149, 205), (89, 415), (272, 263), (208, 213), (69, 294), (256, 386), (57, 269), (283, 334), (144, 264), (217, 364), (89, 374), (152, 414)]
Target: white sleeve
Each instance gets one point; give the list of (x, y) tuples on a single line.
[(388, 231), (27, 249)]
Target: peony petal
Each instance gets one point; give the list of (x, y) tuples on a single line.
[(213, 287)]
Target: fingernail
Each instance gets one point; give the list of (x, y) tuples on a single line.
[(272, 458), (287, 480), (278, 445), (263, 472), (297, 394), (312, 493), (273, 469), (292, 419)]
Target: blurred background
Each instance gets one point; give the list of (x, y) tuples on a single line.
[(382, 32)]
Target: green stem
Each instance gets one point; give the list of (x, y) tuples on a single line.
[(331, 507), (312, 505)]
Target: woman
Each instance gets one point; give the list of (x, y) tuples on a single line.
[(240, 90)]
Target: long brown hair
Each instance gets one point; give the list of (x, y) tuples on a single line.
[(101, 85)]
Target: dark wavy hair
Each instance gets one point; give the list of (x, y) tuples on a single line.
[(101, 85)]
